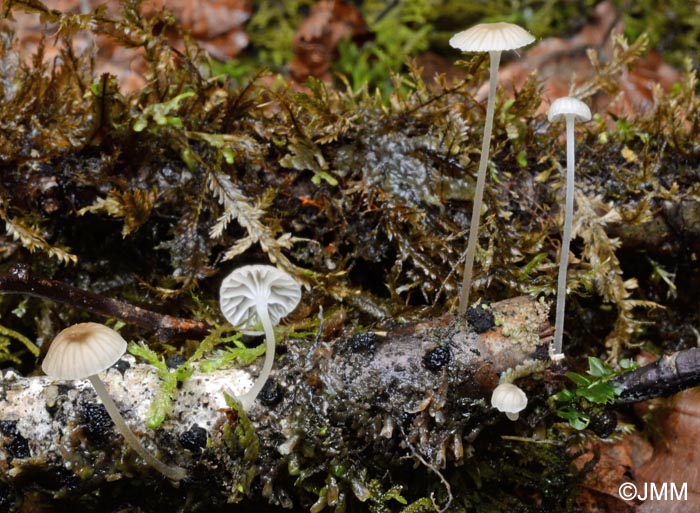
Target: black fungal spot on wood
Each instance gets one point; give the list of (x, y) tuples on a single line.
[(362, 342), (480, 318), (16, 445), (97, 424), (603, 424), (437, 358), (122, 366), (174, 361), (194, 439), (271, 394)]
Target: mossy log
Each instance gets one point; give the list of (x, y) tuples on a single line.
[(149, 197), (343, 411)]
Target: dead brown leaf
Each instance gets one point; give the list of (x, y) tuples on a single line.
[(562, 64), (615, 466), (671, 458), (317, 38), (218, 25), (676, 455)]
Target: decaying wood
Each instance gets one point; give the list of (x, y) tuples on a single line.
[(417, 395), (669, 374)]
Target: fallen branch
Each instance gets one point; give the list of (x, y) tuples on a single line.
[(341, 415), (20, 281), (669, 374)]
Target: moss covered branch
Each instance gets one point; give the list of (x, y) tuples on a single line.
[(337, 414), (20, 281)]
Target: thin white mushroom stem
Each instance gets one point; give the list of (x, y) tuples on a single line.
[(495, 58), (175, 473), (566, 236), (249, 397)]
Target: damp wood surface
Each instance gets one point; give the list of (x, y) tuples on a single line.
[(412, 400)]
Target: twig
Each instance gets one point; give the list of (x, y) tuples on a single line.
[(20, 281), (434, 469), (669, 374)]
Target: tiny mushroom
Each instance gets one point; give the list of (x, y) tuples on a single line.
[(82, 351), (509, 399), (571, 110), (258, 294), (493, 38)]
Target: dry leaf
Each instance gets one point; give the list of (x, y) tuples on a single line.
[(673, 458), (318, 36), (560, 62)]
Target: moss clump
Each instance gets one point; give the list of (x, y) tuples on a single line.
[(152, 196)]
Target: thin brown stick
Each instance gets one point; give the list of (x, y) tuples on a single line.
[(20, 281)]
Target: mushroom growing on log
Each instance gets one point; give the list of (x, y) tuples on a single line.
[(494, 38), (258, 294), (84, 350), (379, 405)]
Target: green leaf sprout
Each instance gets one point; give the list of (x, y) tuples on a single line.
[(593, 391)]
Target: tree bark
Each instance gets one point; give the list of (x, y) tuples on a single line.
[(345, 412), (666, 376)]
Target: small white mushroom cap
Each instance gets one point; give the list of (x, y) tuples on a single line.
[(568, 106), (509, 399), (83, 350), (250, 285), (491, 37)]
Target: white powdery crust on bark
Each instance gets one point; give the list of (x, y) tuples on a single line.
[(381, 398), (46, 413)]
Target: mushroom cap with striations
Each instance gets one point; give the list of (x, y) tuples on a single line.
[(567, 106), (509, 399), (83, 350), (491, 37), (250, 285)]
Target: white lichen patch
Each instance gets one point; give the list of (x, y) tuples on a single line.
[(519, 324), (47, 412), (527, 368), (521, 320), (198, 401), (24, 402), (390, 162)]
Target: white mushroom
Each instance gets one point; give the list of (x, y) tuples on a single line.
[(82, 351), (571, 110), (258, 294), (509, 399), (493, 38)]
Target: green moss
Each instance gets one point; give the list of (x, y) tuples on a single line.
[(674, 27), (154, 188), (153, 196), (6, 337)]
